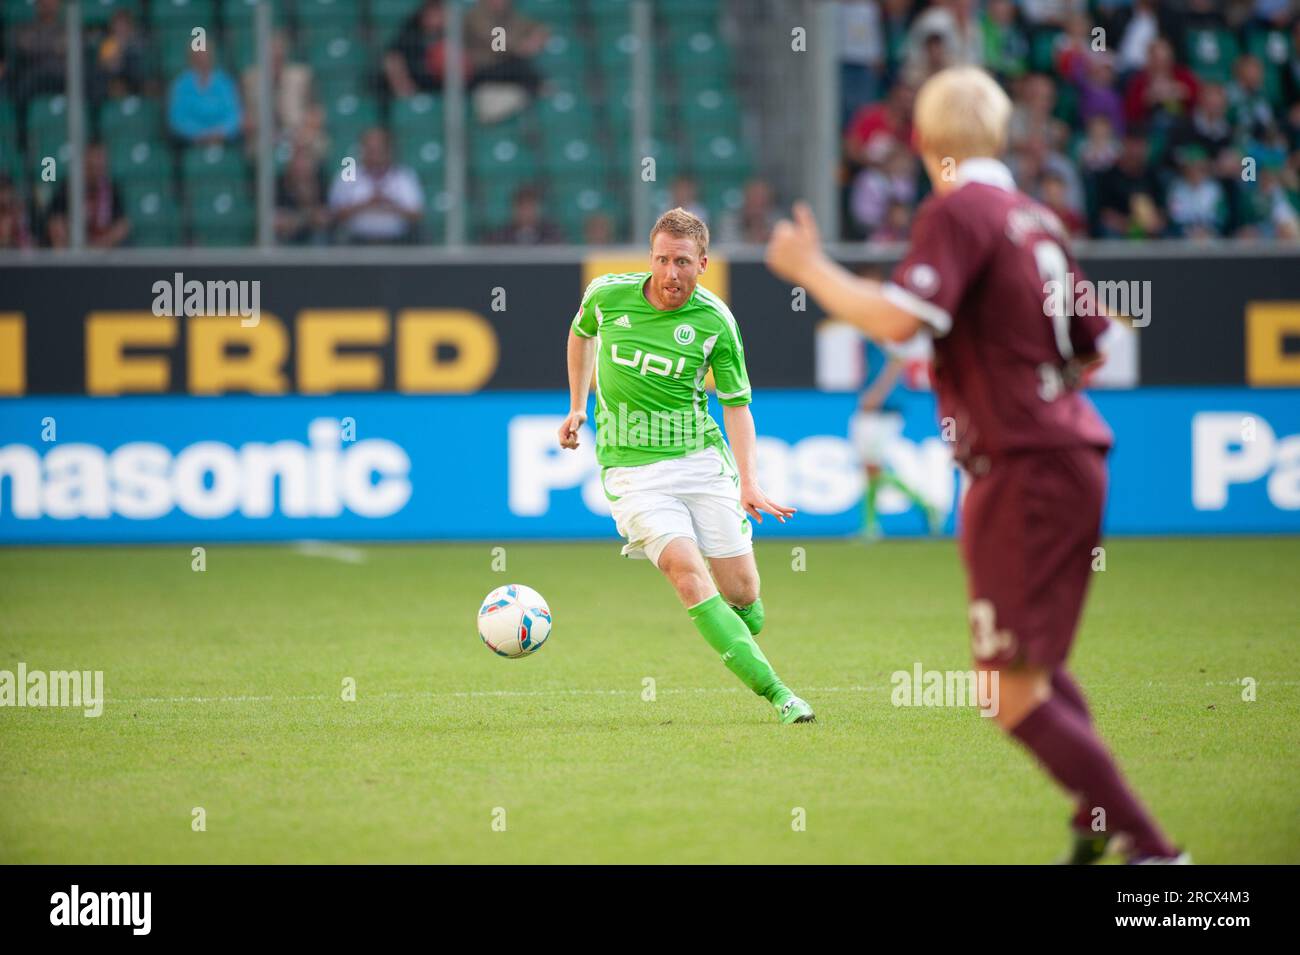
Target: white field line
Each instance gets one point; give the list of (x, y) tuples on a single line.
[(339, 552), (460, 693), (471, 694)]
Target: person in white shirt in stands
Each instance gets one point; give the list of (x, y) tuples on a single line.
[(383, 203)]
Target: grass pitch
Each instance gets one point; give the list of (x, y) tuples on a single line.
[(224, 691)]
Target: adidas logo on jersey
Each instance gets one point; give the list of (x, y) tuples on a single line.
[(623, 322)]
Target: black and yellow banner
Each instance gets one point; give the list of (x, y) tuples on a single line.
[(455, 328)]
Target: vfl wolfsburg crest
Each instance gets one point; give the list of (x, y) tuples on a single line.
[(684, 334)]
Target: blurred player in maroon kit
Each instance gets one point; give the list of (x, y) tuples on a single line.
[(983, 258)]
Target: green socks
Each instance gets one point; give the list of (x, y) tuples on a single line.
[(894, 481), (724, 631), (871, 524), (752, 615)]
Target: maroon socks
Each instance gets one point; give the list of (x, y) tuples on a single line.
[(1060, 734), (1064, 688)]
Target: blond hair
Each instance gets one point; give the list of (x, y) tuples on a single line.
[(681, 224), (962, 113)]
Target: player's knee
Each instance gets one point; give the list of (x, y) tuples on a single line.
[(1018, 693), (688, 577), (742, 594), (692, 586)]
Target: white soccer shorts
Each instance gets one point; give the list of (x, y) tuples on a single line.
[(696, 496), (871, 433)]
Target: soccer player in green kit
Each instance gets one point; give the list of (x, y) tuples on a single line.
[(676, 491)]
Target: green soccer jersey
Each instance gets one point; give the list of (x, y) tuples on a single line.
[(650, 368)]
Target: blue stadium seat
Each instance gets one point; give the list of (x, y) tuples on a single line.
[(140, 159), (220, 214), (564, 56), (130, 117), (200, 164), (154, 214), (99, 12), (571, 204), (565, 113), (182, 12)]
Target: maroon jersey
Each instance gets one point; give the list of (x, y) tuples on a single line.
[(977, 271)]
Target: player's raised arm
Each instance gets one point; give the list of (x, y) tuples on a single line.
[(795, 254)]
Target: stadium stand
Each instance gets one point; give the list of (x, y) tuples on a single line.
[(1203, 85)]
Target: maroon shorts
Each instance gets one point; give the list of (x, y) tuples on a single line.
[(1030, 524)]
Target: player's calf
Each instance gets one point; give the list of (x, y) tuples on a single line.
[(724, 631)]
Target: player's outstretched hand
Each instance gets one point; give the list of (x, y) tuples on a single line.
[(794, 245), (756, 504), (569, 430)]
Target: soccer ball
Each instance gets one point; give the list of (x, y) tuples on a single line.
[(514, 621)]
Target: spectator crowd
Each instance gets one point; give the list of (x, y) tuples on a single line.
[(1133, 119)]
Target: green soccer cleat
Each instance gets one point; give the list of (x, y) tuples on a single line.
[(752, 616), (1088, 848), (795, 710)]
